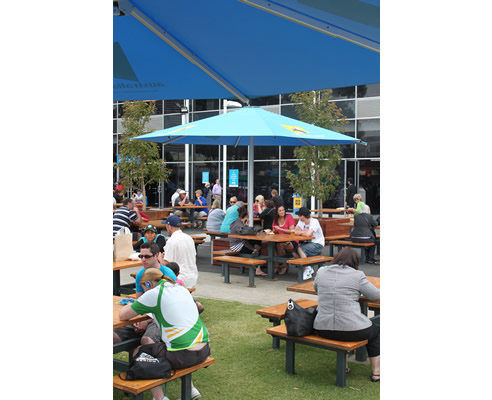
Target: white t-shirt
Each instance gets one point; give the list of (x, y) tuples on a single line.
[(316, 228), (180, 248)]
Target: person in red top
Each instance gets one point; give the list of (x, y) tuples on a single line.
[(283, 223)]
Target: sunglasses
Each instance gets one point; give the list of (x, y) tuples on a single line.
[(232, 202), (146, 256)]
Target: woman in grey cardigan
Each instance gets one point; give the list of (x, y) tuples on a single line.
[(339, 317)]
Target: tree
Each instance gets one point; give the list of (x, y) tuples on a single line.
[(317, 174), (139, 163)]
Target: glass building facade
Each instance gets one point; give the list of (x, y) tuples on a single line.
[(360, 105)]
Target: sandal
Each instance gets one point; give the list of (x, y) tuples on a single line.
[(284, 269), (260, 274), (375, 380)]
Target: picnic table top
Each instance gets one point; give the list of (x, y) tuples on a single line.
[(117, 323), (126, 264), (272, 238)]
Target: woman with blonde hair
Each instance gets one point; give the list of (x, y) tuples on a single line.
[(184, 336), (358, 201), (259, 206)]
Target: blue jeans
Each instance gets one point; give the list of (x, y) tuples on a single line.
[(311, 249)]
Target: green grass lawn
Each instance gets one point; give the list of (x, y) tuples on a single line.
[(247, 368)]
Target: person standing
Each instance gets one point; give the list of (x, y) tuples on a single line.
[(207, 193), (351, 191), (180, 248), (217, 190)]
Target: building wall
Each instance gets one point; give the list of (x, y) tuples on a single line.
[(360, 105)]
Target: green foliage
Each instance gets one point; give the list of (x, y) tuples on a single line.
[(316, 174), (140, 163)]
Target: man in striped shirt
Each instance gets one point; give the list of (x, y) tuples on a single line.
[(126, 215)]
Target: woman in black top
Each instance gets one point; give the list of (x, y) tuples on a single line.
[(268, 214)]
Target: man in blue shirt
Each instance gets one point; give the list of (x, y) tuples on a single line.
[(148, 330)]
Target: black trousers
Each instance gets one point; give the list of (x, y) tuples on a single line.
[(370, 334)]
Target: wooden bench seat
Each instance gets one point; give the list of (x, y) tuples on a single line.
[(203, 221), (342, 243), (341, 348), (300, 263), (138, 387), (336, 237), (276, 314), (250, 263)]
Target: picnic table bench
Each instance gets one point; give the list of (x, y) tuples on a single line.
[(343, 243), (138, 387), (341, 348), (245, 262), (276, 314), (300, 263)]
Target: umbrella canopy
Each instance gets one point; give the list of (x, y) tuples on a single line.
[(251, 126), (236, 128), (196, 49)]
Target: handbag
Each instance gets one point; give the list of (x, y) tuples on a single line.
[(149, 363), (299, 321), (122, 245)]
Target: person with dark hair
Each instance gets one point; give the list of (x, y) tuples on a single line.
[(363, 232), (277, 200), (351, 191), (267, 214), (244, 246), (150, 235), (124, 216), (339, 317), (283, 223), (148, 331)]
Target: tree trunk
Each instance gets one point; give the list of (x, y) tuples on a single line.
[(144, 206)]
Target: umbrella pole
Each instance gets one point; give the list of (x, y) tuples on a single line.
[(251, 183)]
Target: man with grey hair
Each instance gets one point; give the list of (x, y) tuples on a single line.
[(363, 232)]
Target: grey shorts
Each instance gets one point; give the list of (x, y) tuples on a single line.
[(128, 332), (311, 249), (178, 359)]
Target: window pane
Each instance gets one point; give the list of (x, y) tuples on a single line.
[(174, 152), (213, 174), (266, 178), (344, 93), (348, 108), (240, 192), (171, 120), (287, 152), (368, 90), (368, 108), (286, 190), (289, 111), (158, 107), (115, 110), (266, 152), (265, 101), (348, 150), (173, 106), (205, 105), (368, 131), (237, 153), (176, 179), (203, 115), (115, 126), (286, 99), (206, 153)]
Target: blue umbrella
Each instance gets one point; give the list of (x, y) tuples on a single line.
[(196, 49), (251, 126)]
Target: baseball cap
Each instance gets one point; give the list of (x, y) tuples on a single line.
[(182, 191), (303, 211), (150, 227), (172, 220)]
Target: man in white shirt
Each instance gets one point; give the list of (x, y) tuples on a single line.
[(180, 248), (308, 226)]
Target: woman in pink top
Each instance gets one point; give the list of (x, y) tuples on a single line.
[(283, 223)]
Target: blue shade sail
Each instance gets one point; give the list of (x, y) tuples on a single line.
[(197, 49)]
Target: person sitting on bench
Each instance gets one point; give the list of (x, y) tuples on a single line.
[(339, 287), (184, 336), (363, 232)]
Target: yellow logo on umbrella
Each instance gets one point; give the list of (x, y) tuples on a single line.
[(182, 129), (294, 129)]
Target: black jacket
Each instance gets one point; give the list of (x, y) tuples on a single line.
[(351, 191), (363, 227)]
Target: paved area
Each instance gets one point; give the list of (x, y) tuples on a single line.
[(267, 292)]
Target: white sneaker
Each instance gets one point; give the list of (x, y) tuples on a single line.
[(195, 394), (308, 273)]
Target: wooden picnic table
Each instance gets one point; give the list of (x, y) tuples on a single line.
[(351, 223), (272, 240), (117, 323), (117, 267), (329, 211)]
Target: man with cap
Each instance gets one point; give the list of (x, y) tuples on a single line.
[(150, 235), (175, 195), (308, 226), (148, 330), (180, 248), (181, 201)]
